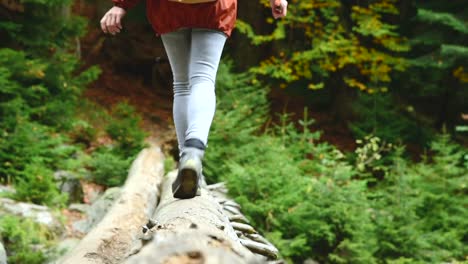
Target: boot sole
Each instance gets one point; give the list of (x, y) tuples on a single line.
[(188, 184)]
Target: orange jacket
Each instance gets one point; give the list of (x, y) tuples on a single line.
[(166, 16)]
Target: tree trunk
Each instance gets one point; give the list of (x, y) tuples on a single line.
[(115, 237), (206, 229), (192, 231), (342, 98), (239, 46)]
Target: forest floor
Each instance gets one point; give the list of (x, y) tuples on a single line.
[(155, 109)]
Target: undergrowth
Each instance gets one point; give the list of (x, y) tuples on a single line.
[(43, 128), (314, 202), (25, 241), (110, 163)]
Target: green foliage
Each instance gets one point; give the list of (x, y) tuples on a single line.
[(415, 51), (246, 29), (305, 216), (237, 117), (442, 18), (82, 132), (43, 26), (40, 87), (431, 91), (20, 237), (45, 83), (312, 203), (438, 61), (38, 95), (373, 159), (324, 40), (381, 115), (41, 81), (266, 172), (30, 142), (37, 185), (420, 210), (109, 168), (110, 164), (125, 129), (303, 145), (28, 155)]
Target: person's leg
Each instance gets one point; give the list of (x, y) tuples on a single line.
[(205, 54), (177, 46)]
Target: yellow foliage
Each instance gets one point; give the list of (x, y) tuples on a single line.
[(460, 74), (316, 86), (351, 82), (385, 7), (331, 44)]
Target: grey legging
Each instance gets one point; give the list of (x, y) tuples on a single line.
[(194, 56)]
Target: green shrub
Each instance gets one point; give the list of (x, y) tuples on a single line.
[(241, 109), (82, 132), (292, 199), (37, 185), (311, 202), (420, 209), (374, 159), (31, 141), (125, 129), (108, 167), (306, 216), (41, 89), (92, 119), (24, 240), (110, 164), (43, 27), (383, 117)]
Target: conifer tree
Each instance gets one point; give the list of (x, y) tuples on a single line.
[(438, 74)]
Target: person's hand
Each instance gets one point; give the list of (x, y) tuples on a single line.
[(111, 21), (279, 8)]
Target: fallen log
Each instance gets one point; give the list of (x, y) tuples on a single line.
[(191, 231), (116, 236), (247, 234)]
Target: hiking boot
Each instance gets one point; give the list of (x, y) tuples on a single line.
[(203, 180), (189, 177)]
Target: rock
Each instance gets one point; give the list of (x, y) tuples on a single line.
[(68, 182), (67, 245), (82, 208), (7, 189), (91, 191), (38, 213), (3, 256), (97, 210)]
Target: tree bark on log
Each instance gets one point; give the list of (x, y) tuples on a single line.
[(116, 236), (191, 231)]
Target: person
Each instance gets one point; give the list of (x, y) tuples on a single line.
[(193, 33)]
